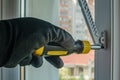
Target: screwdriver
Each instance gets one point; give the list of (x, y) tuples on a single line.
[(80, 47)]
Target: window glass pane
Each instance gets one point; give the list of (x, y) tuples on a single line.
[(76, 66)]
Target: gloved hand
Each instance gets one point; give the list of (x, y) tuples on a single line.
[(28, 34)]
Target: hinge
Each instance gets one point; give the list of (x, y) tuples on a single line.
[(103, 40)]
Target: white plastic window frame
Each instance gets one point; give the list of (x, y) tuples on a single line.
[(107, 62), (116, 39)]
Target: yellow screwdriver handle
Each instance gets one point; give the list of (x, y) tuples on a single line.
[(49, 50)]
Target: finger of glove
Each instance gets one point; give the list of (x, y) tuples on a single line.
[(37, 61), (55, 61), (26, 61), (62, 37), (44, 31)]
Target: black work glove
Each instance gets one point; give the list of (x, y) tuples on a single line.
[(29, 34)]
